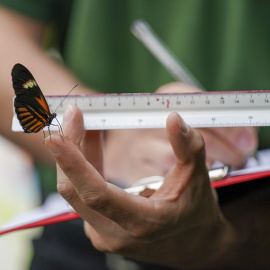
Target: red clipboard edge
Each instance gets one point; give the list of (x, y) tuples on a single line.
[(240, 179), (44, 222), (72, 215)]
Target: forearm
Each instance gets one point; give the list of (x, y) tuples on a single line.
[(250, 215), (241, 240), (222, 247)]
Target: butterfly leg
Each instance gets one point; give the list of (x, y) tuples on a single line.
[(60, 129), (44, 136), (50, 133), (61, 133)]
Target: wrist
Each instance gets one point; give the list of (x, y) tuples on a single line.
[(216, 246), (224, 244)]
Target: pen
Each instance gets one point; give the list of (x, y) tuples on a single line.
[(146, 186), (143, 32)]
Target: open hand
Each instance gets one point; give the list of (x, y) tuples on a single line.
[(171, 227)]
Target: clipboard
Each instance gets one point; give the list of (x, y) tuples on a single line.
[(56, 209)]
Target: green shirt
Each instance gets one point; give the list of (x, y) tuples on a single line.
[(224, 43)]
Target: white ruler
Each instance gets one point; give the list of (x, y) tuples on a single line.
[(203, 109)]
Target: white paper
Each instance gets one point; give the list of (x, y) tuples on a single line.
[(55, 205)]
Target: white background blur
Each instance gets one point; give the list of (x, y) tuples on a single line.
[(18, 193)]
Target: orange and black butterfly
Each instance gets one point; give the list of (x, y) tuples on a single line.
[(31, 107)]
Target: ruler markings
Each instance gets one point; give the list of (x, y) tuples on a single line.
[(204, 109)]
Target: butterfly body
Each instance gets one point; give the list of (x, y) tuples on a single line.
[(30, 104)]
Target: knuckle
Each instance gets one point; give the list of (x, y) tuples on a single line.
[(99, 245), (115, 247), (118, 246), (93, 199), (144, 233), (140, 234), (66, 190), (68, 169)]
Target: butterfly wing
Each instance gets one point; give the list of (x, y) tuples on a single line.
[(30, 114), (30, 104)]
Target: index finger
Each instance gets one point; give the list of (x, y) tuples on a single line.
[(105, 198)]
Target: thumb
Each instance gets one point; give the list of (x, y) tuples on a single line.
[(187, 143), (188, 147)]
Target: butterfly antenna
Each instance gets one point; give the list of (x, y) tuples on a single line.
[(65, 97)]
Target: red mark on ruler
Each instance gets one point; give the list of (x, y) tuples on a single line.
[(168, 103), (157, 99)]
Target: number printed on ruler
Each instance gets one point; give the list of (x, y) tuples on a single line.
[(202, 109)]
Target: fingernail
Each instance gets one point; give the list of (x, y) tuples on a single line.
[(52, 142), (67, 114), (184, 127)]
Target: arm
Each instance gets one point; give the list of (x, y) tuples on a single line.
[(180, 225), (151, 151), (231, 146), (21, 42)]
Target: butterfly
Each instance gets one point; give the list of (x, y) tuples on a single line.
[(31, 107)]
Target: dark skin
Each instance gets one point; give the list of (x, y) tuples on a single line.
[(168, 207), (171, 227), (24, 36)]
